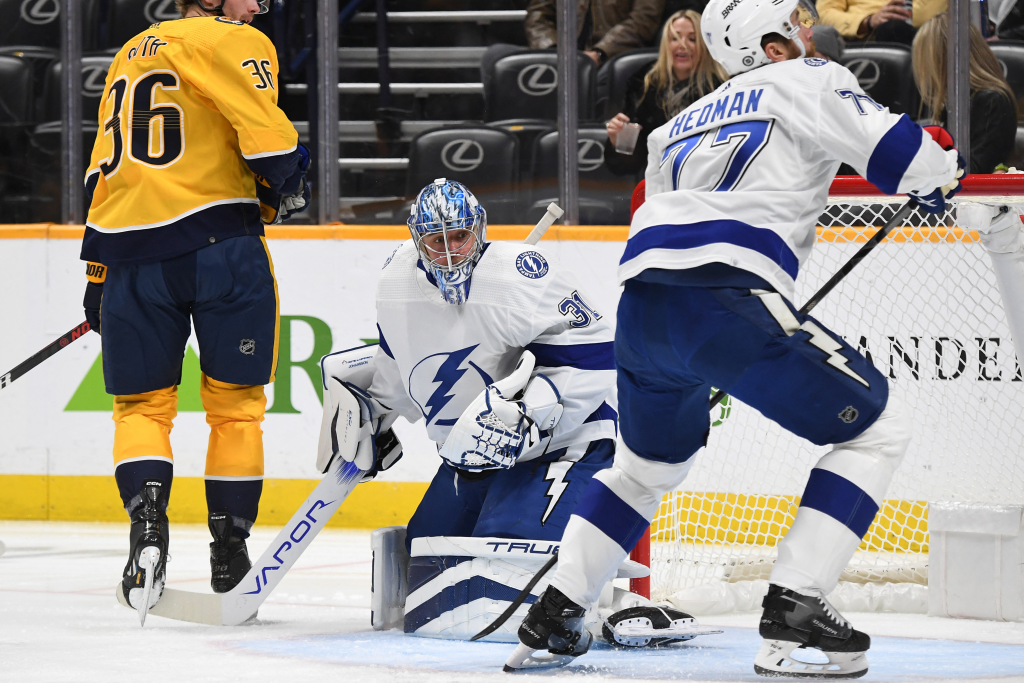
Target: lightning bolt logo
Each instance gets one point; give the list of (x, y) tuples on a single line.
[(556, 475), (830, 346), (446, 377)]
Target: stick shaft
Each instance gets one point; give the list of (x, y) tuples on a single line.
[(550, 216), (49, 350), (875, 240)]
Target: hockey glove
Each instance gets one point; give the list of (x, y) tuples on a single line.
[(494, 430), (935, 201), (294, 197), (96, 273)]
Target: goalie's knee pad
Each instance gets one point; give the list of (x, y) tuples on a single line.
[(234, 413)]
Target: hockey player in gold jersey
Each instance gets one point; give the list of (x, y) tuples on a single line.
[(192, 157)]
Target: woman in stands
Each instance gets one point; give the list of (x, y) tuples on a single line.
[(993, 108), (683, 74)]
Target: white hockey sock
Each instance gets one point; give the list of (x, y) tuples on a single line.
[(614, 512), (843, 494)]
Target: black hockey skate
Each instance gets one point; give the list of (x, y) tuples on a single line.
[(144, 575), (229, 558), (792, 621), (554, 623)]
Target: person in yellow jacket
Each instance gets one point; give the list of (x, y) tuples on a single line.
[(885, 21), (192, 157)]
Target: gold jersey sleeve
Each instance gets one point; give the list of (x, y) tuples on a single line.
[(186, 103)]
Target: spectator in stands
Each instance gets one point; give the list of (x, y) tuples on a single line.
[(884, 21), (683, 74), (604, 28), (993, 108)]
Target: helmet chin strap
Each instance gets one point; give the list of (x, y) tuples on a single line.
[(218, 10), (803, 48)]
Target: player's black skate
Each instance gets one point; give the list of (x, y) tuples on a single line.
[(554, 623), (144, 575), (792, 621), (229, 558)]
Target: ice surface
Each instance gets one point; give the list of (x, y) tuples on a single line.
[(59, 621)]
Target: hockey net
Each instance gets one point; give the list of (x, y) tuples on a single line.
[(925, 308)]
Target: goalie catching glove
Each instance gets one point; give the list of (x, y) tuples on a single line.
[(355, 426), (499, 426)]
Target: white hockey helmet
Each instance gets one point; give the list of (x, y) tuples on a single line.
[(733, 30)]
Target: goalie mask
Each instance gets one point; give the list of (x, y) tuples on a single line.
[(733, 30), (449, 228)]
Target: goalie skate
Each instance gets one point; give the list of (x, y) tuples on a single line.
[(651, 626), (792, 621)]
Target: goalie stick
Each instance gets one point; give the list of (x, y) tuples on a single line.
[(50, 349), (241, 603), (875, 240)]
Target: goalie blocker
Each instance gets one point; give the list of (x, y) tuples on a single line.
[(452, 587)]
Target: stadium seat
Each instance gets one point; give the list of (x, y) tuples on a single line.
[(613, 77), (15, 91), (525, 85), (94, 75), (1017, 161), (485, 159), (126, 18), (37, 23), (604, 197), (15, 117), (526, 131), (884, 71), (1010, 54)]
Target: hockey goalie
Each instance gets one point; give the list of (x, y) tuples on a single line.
[(498, 351)]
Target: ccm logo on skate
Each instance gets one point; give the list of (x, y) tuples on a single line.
[(524, 548), (298, 533)]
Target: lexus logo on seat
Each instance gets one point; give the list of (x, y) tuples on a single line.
[(538, 79), (590, 155), (462, 155), (40, 11), (160, 10), (93, 79), (867, 72)]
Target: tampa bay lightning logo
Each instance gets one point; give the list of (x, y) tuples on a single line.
[(439, 378), (815, 61), (532, 265)]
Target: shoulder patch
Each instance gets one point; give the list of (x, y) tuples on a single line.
[(815, 61), (532, 265)]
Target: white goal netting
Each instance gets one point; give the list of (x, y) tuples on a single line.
[(925, 307)]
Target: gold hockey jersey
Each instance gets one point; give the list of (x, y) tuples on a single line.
[(189, 112)]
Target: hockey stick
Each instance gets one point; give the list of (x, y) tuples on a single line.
[(553, 213), (50, 349), (523, 594), (242, 602), (875, 240)]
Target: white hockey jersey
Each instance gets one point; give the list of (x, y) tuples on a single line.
[(742, 175), (435, 358)]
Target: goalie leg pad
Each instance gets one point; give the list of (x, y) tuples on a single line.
[(390, 584), (843, 494)]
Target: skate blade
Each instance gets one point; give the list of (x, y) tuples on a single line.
[(524, 658), (639, 631), (148, 560), (775, 661)]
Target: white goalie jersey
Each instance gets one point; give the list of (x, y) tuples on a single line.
[(435, 358), (741, 176)]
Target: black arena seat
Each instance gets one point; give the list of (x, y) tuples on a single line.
[(885, 72), (604, 197), (525, 85), (126, 18), (1010, 54), (484, 159), (94, 75), (614, 76)]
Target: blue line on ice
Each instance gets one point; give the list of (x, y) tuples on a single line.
[(723, 657)]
